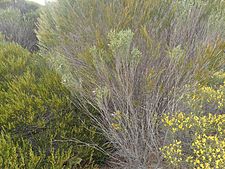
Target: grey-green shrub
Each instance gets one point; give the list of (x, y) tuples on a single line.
[(132, 60), (18, 23)]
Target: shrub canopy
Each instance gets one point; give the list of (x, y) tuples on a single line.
[(38, 117), (134, 60)]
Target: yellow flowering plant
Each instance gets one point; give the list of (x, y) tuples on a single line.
[(200, 140), (208, 97), (197, 140)]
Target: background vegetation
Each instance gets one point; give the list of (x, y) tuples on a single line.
[(18, 21), (117, 84)]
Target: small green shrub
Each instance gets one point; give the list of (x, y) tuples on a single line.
[(16, 156), (35, 106), (19, 154)]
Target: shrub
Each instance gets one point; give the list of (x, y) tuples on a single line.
[(208, 97), (199, 140), (21, 155), (215, 19), (37, 108), (201, 134), (14, 156), (17, 24), (132, 61)]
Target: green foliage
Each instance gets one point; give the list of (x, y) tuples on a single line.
[(37, 108), (14, 156), (20, 154)]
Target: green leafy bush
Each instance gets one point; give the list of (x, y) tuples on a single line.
[(21, 155), (37, 108), (14, 156)]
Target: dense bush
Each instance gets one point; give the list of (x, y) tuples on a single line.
[(17, 23), (15, 156), (133, 61), (42, 127)]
